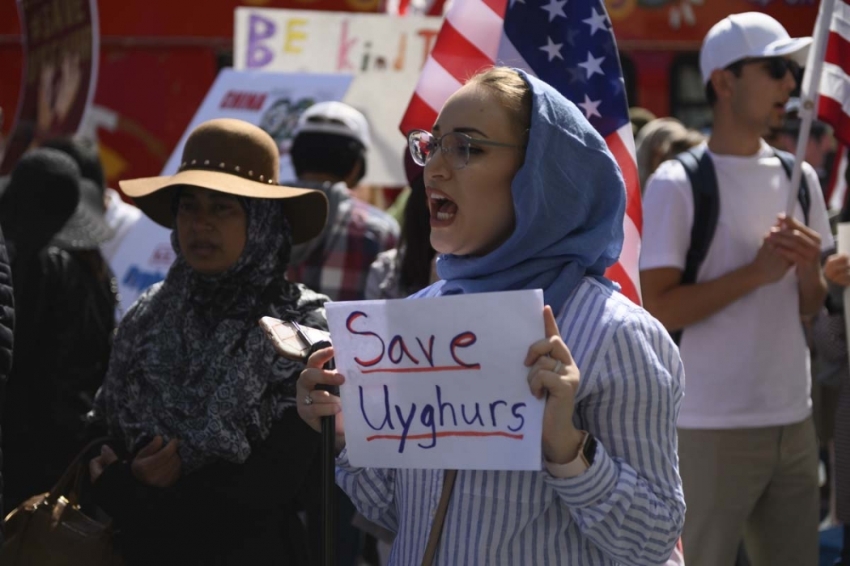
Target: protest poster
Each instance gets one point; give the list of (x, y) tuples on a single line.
[(60, 45), (440, 382), (140, 259), (385, 54), (272, 101)]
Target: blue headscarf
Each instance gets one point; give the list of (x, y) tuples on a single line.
[(569, 199)]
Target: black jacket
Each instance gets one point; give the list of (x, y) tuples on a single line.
[(63, 336), (224, 513), (7, 325), (7, 313)]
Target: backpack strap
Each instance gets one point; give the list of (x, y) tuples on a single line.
[(700, 171), (803, 196)]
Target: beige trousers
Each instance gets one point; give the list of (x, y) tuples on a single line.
[(759, 485)]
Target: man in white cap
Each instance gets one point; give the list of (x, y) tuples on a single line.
[(329, 152), (747, 449)]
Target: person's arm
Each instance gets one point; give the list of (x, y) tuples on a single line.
[(678, 306), (274, 473), (800, 245), (630, 502), (371, 490), (668, 221), (813, 242), (836, 269)]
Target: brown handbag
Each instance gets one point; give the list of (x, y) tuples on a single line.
[(51, 530)]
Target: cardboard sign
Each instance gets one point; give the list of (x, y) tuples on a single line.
[(272, 101), (440, 382), (385, 53)]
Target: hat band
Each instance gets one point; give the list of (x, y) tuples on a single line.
[(232, 169)]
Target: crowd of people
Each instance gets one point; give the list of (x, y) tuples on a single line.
[(679, 433)]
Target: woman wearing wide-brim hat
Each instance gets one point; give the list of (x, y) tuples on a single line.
[(209, 454)]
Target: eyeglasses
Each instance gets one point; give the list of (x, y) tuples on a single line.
[(454, 145), (776, 67)]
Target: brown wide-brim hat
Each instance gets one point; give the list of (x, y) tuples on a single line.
[(234, 157)]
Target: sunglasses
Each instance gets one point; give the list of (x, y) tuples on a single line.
[(456, 146), (776, 67)]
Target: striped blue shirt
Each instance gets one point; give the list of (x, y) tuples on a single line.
[(627, 508)]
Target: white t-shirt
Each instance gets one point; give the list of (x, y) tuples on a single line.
[(121, 217), (748, 364)]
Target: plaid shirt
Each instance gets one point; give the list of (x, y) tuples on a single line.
[(338, 267)]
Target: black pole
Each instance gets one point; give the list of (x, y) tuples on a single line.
[(328, 468)]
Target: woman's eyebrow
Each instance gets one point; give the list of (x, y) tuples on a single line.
[(466, 130)]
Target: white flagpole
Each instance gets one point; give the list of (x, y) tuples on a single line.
[(809, 96)]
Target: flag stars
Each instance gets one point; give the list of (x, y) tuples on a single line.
[(514, 2), (576, 76), (596, 22), (592, 65), (555, 9), (590, 107), (552, 49)]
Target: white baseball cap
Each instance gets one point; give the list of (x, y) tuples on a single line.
[(335, 118), (745, 36)]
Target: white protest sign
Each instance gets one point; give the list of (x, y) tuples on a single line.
[(142, 259), (440, 382), (272, 101), (386, 54)]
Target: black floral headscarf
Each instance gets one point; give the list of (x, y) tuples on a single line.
[(190, 361)]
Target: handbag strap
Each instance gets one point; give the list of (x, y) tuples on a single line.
[(71, 472), (439, 518)]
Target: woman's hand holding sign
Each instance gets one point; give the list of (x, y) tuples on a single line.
[(554, 374), (313, 403)]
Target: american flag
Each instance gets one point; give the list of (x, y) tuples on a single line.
[(834, 100), (571, 46)]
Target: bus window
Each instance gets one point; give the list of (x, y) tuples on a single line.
[(687, 93)]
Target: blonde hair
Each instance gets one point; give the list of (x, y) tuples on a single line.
[(653, 141), (513, 92)]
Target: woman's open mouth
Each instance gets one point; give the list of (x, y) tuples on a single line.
[(442, 208), (203, 249)]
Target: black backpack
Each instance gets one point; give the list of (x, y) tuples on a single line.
[(700, 170)]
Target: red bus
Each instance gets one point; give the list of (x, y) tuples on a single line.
[(659, 43), (159, 57)]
